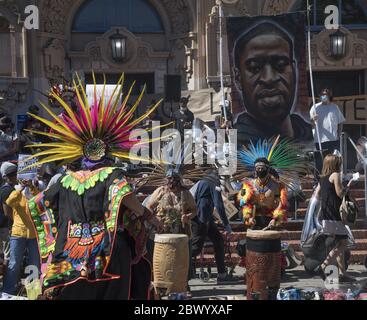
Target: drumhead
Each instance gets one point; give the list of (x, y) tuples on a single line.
[(170, 238), (260, 234)]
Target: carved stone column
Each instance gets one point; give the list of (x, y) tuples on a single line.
[(203, 11), (13, 51)]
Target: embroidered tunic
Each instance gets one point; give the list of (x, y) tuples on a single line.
[(77, 220)]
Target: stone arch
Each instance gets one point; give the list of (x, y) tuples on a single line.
[(155, 3)]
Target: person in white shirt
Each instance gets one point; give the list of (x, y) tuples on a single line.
[(329, 120)]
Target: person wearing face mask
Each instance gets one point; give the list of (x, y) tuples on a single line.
[(175, 207), (263, 199), (327, 118)]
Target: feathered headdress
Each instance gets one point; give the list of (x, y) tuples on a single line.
[(177, 163), (93, 132), (285, 157)]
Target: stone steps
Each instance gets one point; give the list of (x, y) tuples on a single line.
[(356, 193), (301, 213), (357, 257), (360, 245), (304, 204)]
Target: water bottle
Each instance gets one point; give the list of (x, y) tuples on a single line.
[(349, 295)]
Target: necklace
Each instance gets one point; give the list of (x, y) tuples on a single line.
[(263, 188)]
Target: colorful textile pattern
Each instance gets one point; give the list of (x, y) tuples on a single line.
[(133, 224), (244, 198), (85, 241), (44, 223), (85, 180), (250, 201), (285, 156), (96, 131), (86, 246)]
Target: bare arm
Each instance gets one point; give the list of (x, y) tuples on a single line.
[(337, 181), (131, 202), (154, 200)]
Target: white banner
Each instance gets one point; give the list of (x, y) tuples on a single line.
[(99, 88)]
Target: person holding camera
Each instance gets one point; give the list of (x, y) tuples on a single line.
[(23, 235)]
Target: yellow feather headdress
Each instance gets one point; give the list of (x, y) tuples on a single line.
[(94, 132)]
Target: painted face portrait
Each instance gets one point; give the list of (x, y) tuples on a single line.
[(269, 77), (266, 74)]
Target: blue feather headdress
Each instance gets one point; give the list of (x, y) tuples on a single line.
[(285, 157)]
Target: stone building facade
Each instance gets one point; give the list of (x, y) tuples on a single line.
[(186, 45)]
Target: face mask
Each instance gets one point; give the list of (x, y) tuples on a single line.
[(324, 98), (261, 173)]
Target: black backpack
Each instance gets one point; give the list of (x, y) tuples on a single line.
[(3, 219), (349, 210)]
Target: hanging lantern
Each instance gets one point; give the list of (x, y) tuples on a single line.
[(118, 46), (338, 44)]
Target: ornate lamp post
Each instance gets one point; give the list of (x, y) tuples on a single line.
[(118, 46), (338, 44)]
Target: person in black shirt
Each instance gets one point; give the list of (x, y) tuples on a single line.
[(208, 195), (331, 192), (9, 174), (183, 117)]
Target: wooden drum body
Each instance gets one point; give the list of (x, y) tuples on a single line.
[(171, 262), (263, 267)]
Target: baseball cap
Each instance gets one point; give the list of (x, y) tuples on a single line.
[(8, 168)]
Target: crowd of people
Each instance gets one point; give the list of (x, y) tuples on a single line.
[(64, 199)]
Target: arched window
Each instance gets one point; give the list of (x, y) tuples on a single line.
[(5, 48), (98, 16)]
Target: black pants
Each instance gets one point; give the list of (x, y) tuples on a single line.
[(327, 148), (200, 231)]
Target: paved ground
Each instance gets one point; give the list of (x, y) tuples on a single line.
[(297, 278)]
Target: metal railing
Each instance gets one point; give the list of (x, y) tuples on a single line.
[(344, 138)]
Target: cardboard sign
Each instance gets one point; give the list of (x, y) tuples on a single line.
[(231, 209), (30, 173), (354, 108)]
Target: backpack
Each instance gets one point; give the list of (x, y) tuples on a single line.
[(3, 219), (348, 210)]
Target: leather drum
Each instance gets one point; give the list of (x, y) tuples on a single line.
[(263, 267), (171, 262)]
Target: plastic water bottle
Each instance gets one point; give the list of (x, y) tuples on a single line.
[(349, 295)]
